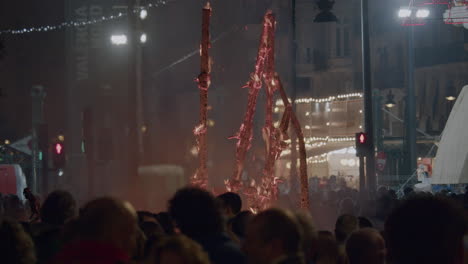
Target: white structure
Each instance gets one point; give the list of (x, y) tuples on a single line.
[(457, 14), (451, 164), (12, 180)]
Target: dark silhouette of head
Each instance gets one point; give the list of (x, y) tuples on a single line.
[(309, 238), (196, 212), (15, 244), (327, 249), (58, 208), (364, 222), (271, 234), (145, 216), (165, 220), (231, 203), (426, 229), (345, 225), (366, 246), (110, 221), (408, 191), (239, 223)]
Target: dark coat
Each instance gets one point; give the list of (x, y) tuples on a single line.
[(221, 249)]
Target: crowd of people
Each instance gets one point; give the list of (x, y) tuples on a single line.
[(200, 228)]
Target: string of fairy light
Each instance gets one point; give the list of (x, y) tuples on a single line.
[(70, 24), (329, 99)]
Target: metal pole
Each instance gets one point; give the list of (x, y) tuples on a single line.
[(38, 95), (410, 123), (367, 85), (132, 96), (139, 88), (362, 177)]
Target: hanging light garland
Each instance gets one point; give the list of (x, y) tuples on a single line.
[(329, 99), (71, 24)]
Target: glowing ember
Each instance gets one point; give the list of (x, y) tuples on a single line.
[(262, 195), (302, 150), (200, 178), (244, 136)]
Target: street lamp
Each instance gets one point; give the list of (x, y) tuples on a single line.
[(390, 102), (404, 12), (325, 14), (143, 14), (451, 95), (411, 14), (118, 40), (143, 38), (408, 12), (422, 13)]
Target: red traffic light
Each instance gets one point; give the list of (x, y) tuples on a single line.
[(58, 148), (362, 138), (363, 144)]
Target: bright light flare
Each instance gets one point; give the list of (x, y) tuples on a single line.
[(119, 39), (143, 14), (422, 13), (58, 148), (390, 105), (404, 12), (143, 38), (451, 98)]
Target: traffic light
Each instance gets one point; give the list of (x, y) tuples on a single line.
[(58, 153), (363, 144)]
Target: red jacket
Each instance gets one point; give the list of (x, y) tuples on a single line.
[(91, 252)]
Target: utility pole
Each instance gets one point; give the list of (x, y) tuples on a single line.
[(410, 120), (139, 84), (368, 105), (38, 94), (132, 94)]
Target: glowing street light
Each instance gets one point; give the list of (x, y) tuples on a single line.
[(404, 12), (143, 38), (390, 101), (422, 13), (451, 95), (450, 98), (119, 39), (143, 14)]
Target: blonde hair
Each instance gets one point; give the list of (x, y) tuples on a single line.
[(187, 249)]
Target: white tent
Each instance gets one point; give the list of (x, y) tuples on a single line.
[(451, 164)]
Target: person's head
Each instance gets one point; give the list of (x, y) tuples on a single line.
[(347, 206), (366, 246), (58, 208), (426, 229), (231, 203), (151, 229), (272, 234), (165, 220), (110, 221), (239, 223), (145, 216), (364, 222), (408, 191), (178, 249), (345, 225), (15, 244), (196, 212), (309, 233), (327, 250)]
